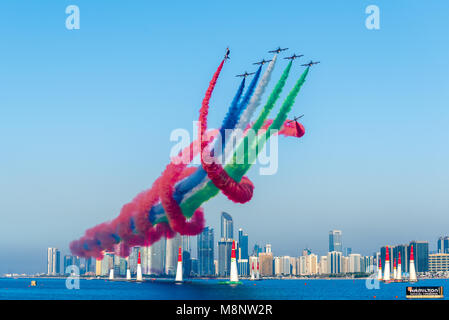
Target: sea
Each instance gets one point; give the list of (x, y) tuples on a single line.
[(285, 289)]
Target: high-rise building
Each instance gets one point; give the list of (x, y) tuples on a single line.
[(402, 249), (443, 244), (355, 263), (243, 249), (243, 267), (107, 263), (335, 241), (267, 248), (68, 261), (334, 262), (256, 250), (144, 259), (133, 259), (243, 244), (156, 257), (171, 254), (53, 261), (308, 264), (186, 264), (266, 264), (186, 244), (323, 265), (344, 264), (205, 248), (439, 262), (224, 257), (421, 255), (227, 226), (98, 267)]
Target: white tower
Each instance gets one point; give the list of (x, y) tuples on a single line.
[(379, 270), (412, 267), (128, 271), (399, 272), (387, 266), (139, 269), (234, 273), (111, 274), (179, 268)]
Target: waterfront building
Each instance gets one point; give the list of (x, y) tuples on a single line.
[(355, 263), (171, 254), (266, 264), (443, 244), (323, 265), (439, 262), (205, 248), (334, 262), (53, 261), (157, 257), (224, 257), (227, 226), (421, 253), (335, 241)]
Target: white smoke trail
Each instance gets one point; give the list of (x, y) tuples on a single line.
[(243, 121), (252, 106)]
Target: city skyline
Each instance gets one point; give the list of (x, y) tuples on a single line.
[(162, 260)]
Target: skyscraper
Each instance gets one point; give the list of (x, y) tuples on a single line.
[(421, 253), (53, 261), (68, 261), (443, 244), (335, 241), (266, 264), (205, 249), (243, 245), (156, 257), (171, 254), (334, 262), (227, 226), (224, 257)]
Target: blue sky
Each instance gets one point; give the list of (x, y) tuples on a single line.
[(86, 115)]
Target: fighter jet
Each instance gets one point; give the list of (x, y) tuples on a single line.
[(279, 49), (226, 57), (295, 119), (311, 63), (262, 62), (294, 56), (245, 74), (299, 128)]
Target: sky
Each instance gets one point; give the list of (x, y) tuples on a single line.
[(86, 116)]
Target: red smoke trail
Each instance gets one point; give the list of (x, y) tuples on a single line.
[(177, 220), (105, 236), (237, 192)]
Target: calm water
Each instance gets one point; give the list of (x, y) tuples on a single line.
[(207, 289)]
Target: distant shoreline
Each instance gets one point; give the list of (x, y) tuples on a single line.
[(200, 278)]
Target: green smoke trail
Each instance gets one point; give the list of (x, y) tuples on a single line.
[(236, 171)]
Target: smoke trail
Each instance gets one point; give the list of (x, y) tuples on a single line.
[(236, 171), (274, 96), (105, 236), (255, 100)]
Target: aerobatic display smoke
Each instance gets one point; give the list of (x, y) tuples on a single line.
[(172, 204)]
